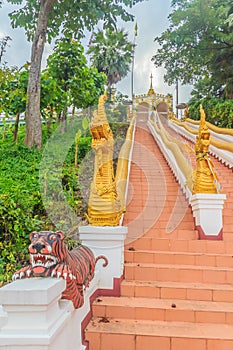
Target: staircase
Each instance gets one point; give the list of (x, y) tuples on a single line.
[(177, 291)]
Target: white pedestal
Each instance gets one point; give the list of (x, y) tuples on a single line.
[(207, 211), (32, 314), (107, 241)]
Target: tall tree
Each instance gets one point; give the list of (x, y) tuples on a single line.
[(81, 85), (46, 18), (111, 53), (198, 44)]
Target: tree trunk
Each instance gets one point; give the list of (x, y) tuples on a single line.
[(4, 133), (49, 122), (48, 126), (33, 118), (16, 128), (63, 120), (58, 119), (73, 111)]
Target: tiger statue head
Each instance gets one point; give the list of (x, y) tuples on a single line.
[(49, 256), (47, 249)]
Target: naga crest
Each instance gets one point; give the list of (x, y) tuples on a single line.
[(49, 256)]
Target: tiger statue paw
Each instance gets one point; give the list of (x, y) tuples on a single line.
[(25, 272), (62, 271), (49, 256)]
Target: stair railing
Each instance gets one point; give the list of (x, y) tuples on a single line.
[(221, 141), (124, 165), (171, 149), (206, 203)]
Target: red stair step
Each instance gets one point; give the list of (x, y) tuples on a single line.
[(174, 310), (178, 273), (181, 245), (119, 334), (170, 257), (177, 290)]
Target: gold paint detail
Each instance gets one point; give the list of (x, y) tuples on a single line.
[(174, 146), (151, 90), (227, 146), (205, 179), (123, 165), (216, 129), (104, 207)]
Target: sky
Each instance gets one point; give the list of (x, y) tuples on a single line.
[(152, 20)]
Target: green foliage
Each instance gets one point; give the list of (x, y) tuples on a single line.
[(198, 43), (78, 136), (3, 44), (84, 146), (46, 20), (71, 17), (20, 203), (15, 225), (13, 87), (21, 206), (111, 53), (13, 92), (117, 113), (218, 112), (85, 123), (53, 98), (67, 67)]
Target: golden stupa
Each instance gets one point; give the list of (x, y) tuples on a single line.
[(151, 90)]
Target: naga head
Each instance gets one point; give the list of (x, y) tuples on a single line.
[(47, 249)]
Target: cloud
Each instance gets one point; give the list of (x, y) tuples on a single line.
[(152, 20), (151, 16)]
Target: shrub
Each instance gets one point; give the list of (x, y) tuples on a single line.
[(15, 226), (218, 112)]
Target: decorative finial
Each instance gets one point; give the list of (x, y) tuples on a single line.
[(151, 90), (151, 76)]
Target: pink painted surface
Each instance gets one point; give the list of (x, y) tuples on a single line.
[(177, 291)]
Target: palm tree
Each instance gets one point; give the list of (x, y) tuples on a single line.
[(111, 53)]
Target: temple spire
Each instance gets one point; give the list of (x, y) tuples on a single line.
[(151, 90)]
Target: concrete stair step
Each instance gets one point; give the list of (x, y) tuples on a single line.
[(181, 245), (177, 258), (118, 334), (179, 233), (177, 290), (170, 277), (178, 273), (163, 310), (160, 233)]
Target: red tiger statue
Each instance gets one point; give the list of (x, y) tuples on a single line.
[(49, 256)]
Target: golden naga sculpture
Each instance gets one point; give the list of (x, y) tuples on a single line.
[(205, 178), (104, 207)]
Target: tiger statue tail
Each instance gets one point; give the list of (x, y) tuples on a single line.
[(102, 257)]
